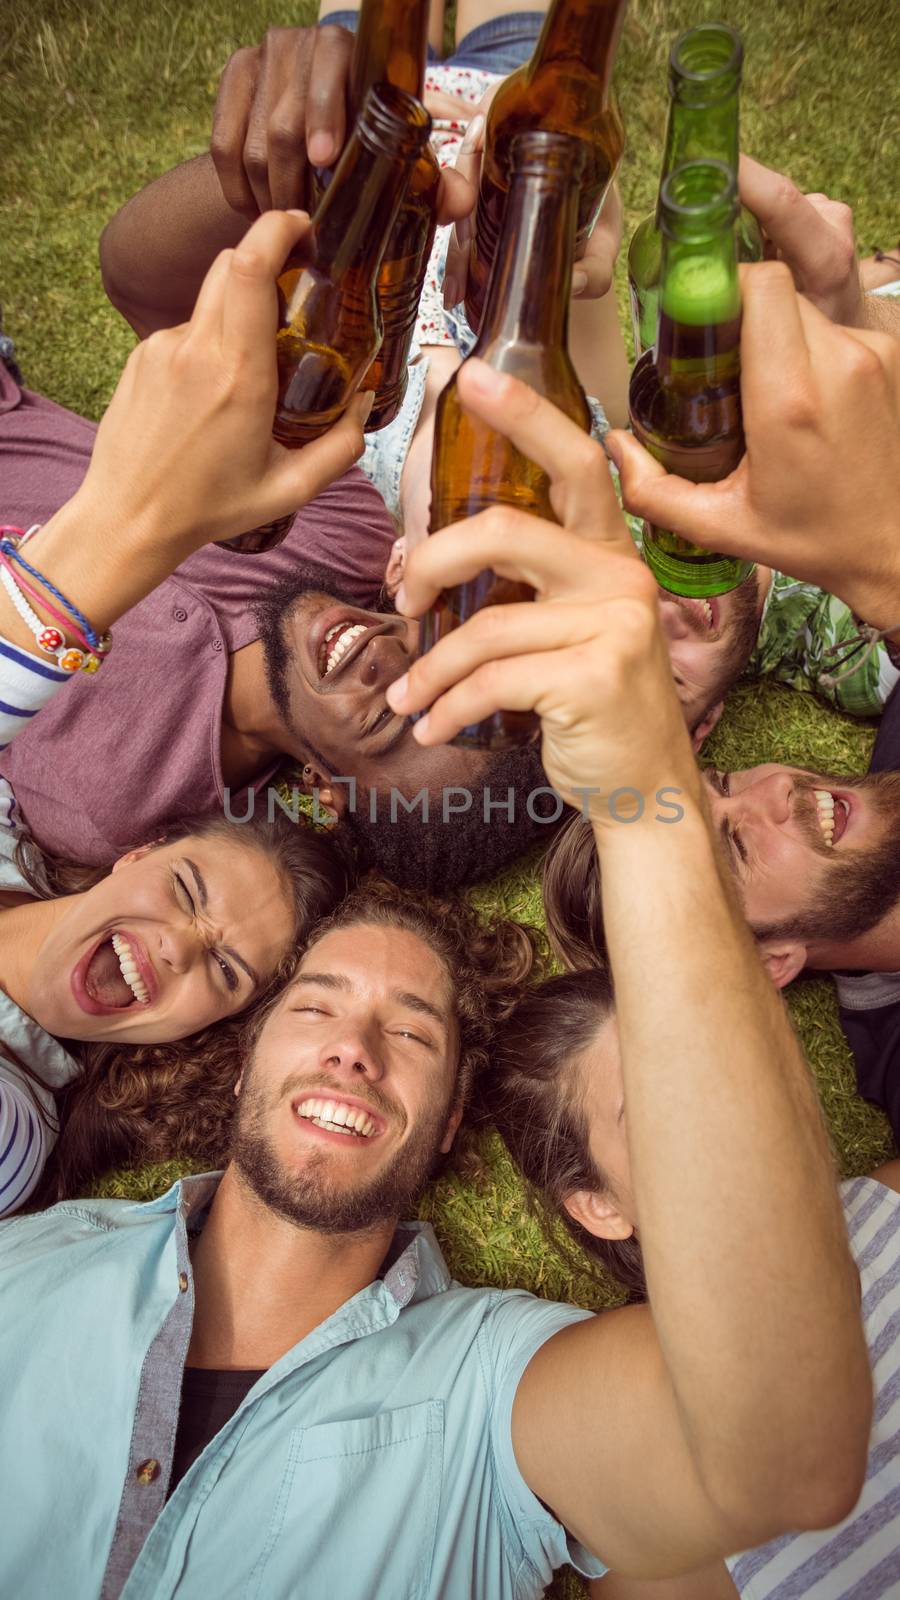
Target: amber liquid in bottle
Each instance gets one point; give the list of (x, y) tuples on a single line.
[(685, 395), (523, 333), (564, 88), (329, 320), (391, 47)]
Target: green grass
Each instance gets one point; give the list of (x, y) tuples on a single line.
[(99, 96)]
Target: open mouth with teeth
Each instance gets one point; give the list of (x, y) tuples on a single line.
[(832, 812), (109, 978), (337, 1117), (338, 642)]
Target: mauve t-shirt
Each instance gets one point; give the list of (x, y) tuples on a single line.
[(116, 756)]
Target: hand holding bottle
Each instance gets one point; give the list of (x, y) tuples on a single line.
[(818, 491), (813, 235), (589, 658), (185, 453), (282, 109)]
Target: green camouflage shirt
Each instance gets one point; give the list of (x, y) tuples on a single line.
[(799, 625)]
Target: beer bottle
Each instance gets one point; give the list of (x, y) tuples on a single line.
[(391, 47), (523, 332), (705, 67), (564, 88), (330, 322), (685, 396)]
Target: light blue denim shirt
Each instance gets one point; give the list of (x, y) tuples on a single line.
[(373, 1462)]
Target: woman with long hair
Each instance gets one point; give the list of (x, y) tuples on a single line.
[(554, 1091), (187, 930)]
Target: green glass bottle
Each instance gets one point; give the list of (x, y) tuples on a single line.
[(685, 395), (705, 67)]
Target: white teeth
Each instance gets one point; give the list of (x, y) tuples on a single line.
[(825, 811), (337, 1117), (707, 611), (129, 970), (348, 636)]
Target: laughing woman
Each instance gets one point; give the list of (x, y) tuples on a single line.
[(190, 929)]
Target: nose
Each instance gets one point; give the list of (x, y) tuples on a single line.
[(352, 1053), (673, 619), (767, 800), (179, 946), (384, 659)]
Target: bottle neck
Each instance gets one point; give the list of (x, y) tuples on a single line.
[(391, 46), (695, 133), (584, 33), (531, 281), (357, 212), (699, 306)]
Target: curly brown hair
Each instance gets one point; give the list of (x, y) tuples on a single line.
[(531, 1094), (161, 1102)]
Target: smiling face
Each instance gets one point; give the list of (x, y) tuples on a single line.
[(176, 937), (349, 1097), (710, 643), (814, 858), (329, 664)]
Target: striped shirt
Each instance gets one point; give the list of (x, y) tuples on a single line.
[(27, 682), (860, 1558)]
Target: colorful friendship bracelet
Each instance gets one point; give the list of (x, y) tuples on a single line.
[(51, 641), (10, 548)]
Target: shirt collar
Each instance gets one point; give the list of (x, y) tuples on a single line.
[(417, 1271)]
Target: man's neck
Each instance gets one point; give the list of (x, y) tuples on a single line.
[(261, 1283), (252, 732), (876, 951)]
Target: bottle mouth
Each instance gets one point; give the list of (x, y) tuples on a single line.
[(393, 122), (705, 64), (697, 200), (539, 150)]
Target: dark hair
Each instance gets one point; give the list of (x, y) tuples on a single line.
[(442, 856), (531, 1094), (151, 1102), (572, 901), (488, 962)]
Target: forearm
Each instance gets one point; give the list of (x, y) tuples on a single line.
[(750, 1279), (156, 250), (598, 350)]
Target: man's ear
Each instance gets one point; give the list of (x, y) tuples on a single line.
[(783, 959), (599, 1213), (706, 724), (134, 855), (450, 1132), (331, 797)]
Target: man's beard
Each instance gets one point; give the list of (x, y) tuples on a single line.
[(306, 1197), (862, 885), (272, 613)]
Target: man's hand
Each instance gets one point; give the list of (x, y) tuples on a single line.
[(818, 491), (589, 658), (281, 109), (813, 235)]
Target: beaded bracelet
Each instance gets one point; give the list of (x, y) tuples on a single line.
[(10, 548), (34, 594), (49, 640)]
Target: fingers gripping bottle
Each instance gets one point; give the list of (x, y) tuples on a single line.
[(705, 67), (523, 332), (685, 394), (330, 322), (564, 88)]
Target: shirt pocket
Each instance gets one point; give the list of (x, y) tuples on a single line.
[(356, 1513)]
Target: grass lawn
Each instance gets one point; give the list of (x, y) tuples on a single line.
[(100, 96)]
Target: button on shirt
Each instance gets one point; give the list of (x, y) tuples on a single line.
[(375, 1459)]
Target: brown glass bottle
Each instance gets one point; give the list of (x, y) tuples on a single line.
[(523, 332), (564, 88), (391, 47), (685, 395), (330, 322)]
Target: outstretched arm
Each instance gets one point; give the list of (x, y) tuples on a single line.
[(737, 1405)]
